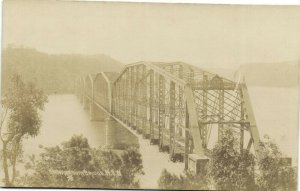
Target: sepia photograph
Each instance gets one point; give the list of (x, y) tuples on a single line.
[(140, 95)]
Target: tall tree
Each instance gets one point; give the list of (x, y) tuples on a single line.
[(274, 171), (230, 169), (20, 119)]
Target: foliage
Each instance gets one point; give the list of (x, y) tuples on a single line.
[(131, 165), (230, 169), (274, 174), (100, 168), (20, 119), (187, 181)]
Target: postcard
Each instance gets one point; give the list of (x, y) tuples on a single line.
[(120, 95)]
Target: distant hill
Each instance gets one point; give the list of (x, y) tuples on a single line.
[(281, 74), (53, 73), (56, 73)]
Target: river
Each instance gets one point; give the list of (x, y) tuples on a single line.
[(64, 116), (276, 112), (275, 109)]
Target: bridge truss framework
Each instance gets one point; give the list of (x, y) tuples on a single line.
[(175, 105)]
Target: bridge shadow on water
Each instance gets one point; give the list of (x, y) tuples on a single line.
[(64, 117), (113, 135)]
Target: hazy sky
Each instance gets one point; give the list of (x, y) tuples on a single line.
[(206, 35)]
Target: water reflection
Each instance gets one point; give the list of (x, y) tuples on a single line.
[(64, 116)]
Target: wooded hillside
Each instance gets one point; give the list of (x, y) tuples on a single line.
[(53, 73)]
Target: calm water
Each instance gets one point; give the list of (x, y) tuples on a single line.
[(64, 117), (275, 111)]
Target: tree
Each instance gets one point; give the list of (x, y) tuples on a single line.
[(131, 165), (74, 164), (20, 119), (170, 181), (186, 181), (230, 169), (274, 173)]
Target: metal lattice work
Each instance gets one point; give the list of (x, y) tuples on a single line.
[(218, 102), (177, 106), (155, 108), (102, 91), (88, 88)]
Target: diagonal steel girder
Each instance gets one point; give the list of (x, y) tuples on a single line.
[(135, 99)]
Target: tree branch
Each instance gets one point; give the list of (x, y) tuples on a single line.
[(3, 117)]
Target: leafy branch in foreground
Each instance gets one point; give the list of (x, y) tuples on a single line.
[(275, 172), (74, 164), (229, 169), (186, 181), (20, 119)]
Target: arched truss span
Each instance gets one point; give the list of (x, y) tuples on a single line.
[(89, 86), (180, 105), (176, 104)]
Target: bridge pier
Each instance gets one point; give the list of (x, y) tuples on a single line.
[(110, 136), (85, 102), (96, 114), (81, 98), (196, 163)]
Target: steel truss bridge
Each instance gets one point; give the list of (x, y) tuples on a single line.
[(175, 105)]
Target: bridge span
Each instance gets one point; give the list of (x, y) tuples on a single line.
[(175, 105)]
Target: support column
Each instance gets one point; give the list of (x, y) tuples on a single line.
[(117, 103), (151, 105), (128, 97), (242, 125), (204, 126), (180, 100), (92, 111), (221, 114), (220, 87), (97, 114), (110, 134), (251, 118), (144, 102), (81, 97), (123, 98), (161, 117), (113, 98), (85, 102), (136, 99), (172, 119), (132, 88), (187, 139)]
